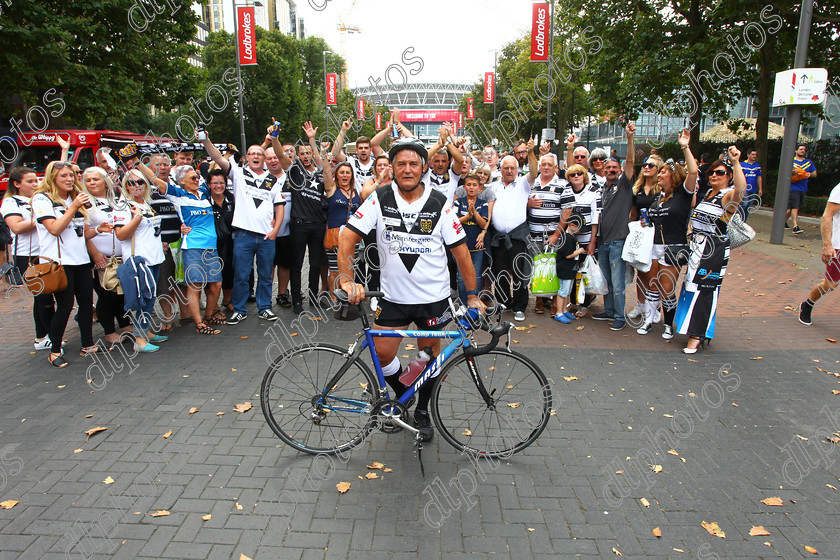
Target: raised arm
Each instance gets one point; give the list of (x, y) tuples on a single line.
[(337, 152), (159, 183), (630, 160), (215, 155), (329, 181), (570, 150), (65, 147), (310, 133), (455, 154), (376, 141), (737, 176), (690, 163), (533, 162), (440, 143)]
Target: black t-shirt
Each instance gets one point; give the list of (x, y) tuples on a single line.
[(670, 218), (307, 190), (616, 200), (566, 245), (642, 200), (170, 221)]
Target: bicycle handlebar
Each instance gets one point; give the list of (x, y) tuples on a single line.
[(344, 296)]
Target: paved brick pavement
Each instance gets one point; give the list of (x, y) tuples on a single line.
[(742, 429)]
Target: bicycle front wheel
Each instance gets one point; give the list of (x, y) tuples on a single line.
[(302, 415), (518, 412)]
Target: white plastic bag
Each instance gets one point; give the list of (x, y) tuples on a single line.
[(638, 247), (593, 279)]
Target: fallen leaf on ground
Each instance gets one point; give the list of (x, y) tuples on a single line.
[(63, 386), (668, 415), (811, 549), (832, 487), (389, 469), (89, 416), (9, 504), (243, 557), (371, 475), (531, 530), (167, 434), (220, 414), (343, 487), (657, 532), (571, 378), (410, 347), (580, 328), (616, 552), (108, 480), (656, 468), (466, 432), (520, 328), (193, 410), (772, 501), (672, 452), (363, 385), (243, 407), (759, 531), (160, 513), (233, 370), (96, 430), (239, 507), (835, 392), (678, 550), (645, 502), (553, 412), (802, 438), (78, 450), (714, 529), (831, 340), (513, 405), (243, 337), (376, 465), (207, 517), (757, 358)]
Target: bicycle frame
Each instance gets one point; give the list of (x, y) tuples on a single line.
[(459, 340)]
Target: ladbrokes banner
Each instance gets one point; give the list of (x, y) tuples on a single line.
[(539, 33), (247, 38)]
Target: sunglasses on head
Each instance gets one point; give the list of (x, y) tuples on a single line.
[(650, 165), (575, 174), (62, 164), (719, 172)]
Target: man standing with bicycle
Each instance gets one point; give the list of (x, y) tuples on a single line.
[(415, 225)]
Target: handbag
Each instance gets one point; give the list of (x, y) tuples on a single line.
[(108, 275), (740, 233), (544, 281), (46, 277)]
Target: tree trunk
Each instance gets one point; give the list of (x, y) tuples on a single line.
[(696, 115), (765, 92)]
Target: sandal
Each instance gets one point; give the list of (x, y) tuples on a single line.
[(215, 320), (57, 361), (227, 303), (201, 328), (166, 327), (582, 312), (91, 350)]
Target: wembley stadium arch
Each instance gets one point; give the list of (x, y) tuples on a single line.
[(424, 107)]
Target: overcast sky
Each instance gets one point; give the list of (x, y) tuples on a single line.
[(453, 37)]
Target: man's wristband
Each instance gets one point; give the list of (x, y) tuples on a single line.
[(472, 292)]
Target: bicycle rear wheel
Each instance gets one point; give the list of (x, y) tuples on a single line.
[(293, 405), (518, 413)]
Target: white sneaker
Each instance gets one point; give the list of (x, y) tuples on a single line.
[(519, 316), (669, 332), (45, 344), (644, 329), (636, 312), (657, 317)]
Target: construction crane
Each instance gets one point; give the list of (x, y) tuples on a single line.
[(343, 30)]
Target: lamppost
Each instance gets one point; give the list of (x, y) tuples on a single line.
[(326, 107), (588, 88)]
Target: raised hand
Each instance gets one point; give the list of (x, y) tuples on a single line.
[(310, 132), (545, 148), (684, 138), (64, 144), (734, 154), (631, 129), (571, 140), (530, 144), (345, 126)]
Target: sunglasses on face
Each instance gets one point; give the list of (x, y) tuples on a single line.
[(522, 153), (650, 165), (599, 159), (575, 174), (135, 183), (718, 172), (580, 157)]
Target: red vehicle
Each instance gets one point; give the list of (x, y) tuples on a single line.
[(37, 149)]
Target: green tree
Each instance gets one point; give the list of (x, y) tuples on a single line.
[(101, 62)]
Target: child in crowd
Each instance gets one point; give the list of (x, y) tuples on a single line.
[(568, 252), (472, 212)]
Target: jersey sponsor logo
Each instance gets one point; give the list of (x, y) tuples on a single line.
[(393, 222), (426, 226), (458, 227), (358, 215)]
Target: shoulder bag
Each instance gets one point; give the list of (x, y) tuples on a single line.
[(45, 277), (108, 275)]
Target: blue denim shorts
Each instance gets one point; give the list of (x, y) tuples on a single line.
[(202, 266), (565, 288)]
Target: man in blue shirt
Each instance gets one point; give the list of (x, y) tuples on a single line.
[(799, 188), (755, 188)]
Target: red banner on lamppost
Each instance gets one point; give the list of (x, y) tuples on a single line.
[(460, 120), (489, 87), (360, 109), (539, 33), (332, 86), (470, 108), (246, 36), (378, 121)]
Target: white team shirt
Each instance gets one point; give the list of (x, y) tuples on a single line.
[(147, 243), (361, 171), (585, 211), (19, 205), (255, 196), (73, 248), (446, 183), (835, 224), (554, 196), (412, 240), (103, 212)]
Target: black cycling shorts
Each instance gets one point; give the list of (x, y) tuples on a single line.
[(427, 316)]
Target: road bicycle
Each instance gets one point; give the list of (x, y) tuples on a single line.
[(487, 401)]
